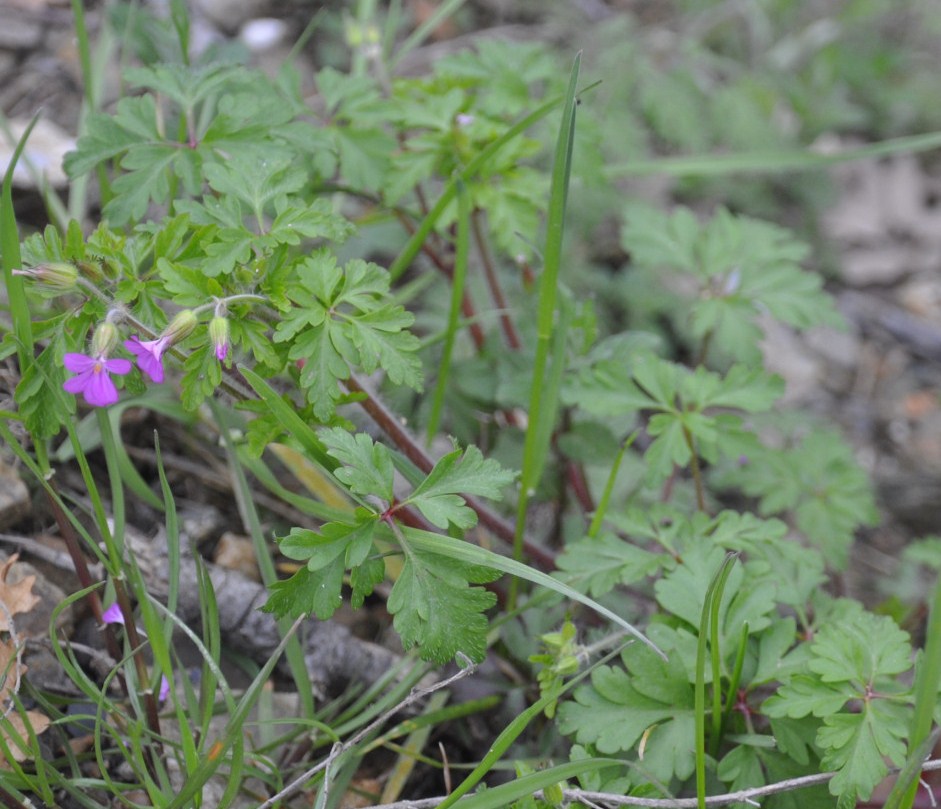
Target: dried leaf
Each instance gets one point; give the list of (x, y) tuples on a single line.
[(14, 732), (11, 671), (17, 598)]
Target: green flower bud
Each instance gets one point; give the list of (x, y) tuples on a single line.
[(104, 340), (180, 327), (56, 276), (219, 335)]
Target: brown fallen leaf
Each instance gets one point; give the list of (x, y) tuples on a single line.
[(13, 730), (16, 598), (11, 672)]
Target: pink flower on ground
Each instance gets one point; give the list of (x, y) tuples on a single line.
[(113, 614), (93, 378), (149, 355)]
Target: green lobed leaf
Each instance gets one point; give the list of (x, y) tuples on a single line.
[(856, 746), (436, 609), (366, 466), (597, 564), (467, 472)]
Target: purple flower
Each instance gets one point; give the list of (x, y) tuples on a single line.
[(149, 355), (164, 689), (94, 380), (113, 614)]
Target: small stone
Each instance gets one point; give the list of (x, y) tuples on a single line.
[(45, 151), (263, 34), (235, 552), (18, 34)]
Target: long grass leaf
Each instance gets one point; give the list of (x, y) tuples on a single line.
[(770, 162), (423, 31), (540, 410), (466, 552), (243, 493), (505, 794), (11, 260), (927, 680), (512, 732), (713, 596)]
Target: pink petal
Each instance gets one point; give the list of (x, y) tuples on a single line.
[(77, 384), (100, 390), (118, 366), (148, 356), (164, 689), (113, 614), (76, 363)]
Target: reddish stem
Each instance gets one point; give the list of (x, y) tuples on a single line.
[(493, 283), (390, 424)]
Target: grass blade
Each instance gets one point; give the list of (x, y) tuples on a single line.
[(11, 260), (770, 162), (927, 679), (475, 555), (541, 411), (293, 651), (422, 32), (710, 613)]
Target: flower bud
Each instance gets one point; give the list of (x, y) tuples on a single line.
[(56, 275), (104, 339), (180, 327), (219, 335)]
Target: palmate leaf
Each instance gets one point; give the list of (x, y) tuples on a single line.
[(436, 608), (597, 564), (342, 319), (437, 496), (329, 554), (366, 465), (856, 746), (107, 136), (619, 706), (38, 394), (743, 267), (850, 682)]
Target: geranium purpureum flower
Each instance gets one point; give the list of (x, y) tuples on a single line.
[(93, 377), (113, 615), (149, 355)]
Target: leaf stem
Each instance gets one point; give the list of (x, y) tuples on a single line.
[(493, 282), (695, 469), (412, 449)]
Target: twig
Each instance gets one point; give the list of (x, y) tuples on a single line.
[(493, 282), (413, 696), (744, 795)]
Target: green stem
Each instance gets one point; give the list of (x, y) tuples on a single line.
[(695, 470), (602, 509)]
